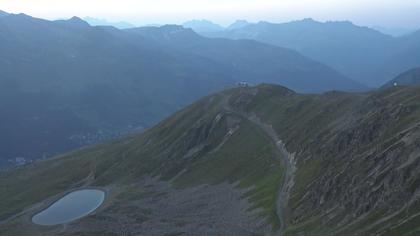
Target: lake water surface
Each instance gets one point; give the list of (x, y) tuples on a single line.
[(72, 206)]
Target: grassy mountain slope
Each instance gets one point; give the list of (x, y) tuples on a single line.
[(349, 166), (356, 161), (202, 144)]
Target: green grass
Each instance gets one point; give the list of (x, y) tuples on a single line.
[(308, 227), (27, 185), (307, 171), (248, 158)]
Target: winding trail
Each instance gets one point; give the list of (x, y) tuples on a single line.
[(287, 159)]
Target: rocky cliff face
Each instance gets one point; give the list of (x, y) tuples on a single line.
[(357, 161)]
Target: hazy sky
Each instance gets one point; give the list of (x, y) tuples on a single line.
[(390, 13)]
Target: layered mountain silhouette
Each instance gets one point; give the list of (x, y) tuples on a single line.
[(221, 135), (240, 58), (202, 26), (360, 53), (238, 24), (65, 83), (101, 22)]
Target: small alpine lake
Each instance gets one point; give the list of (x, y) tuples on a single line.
[(70, 207)]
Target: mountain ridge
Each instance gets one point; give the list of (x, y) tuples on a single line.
[(101, 22), (408, 78), (361, 53), (211, 48), (3, 13), (202, 26), (72, 84), (349, 151), (237, 24)]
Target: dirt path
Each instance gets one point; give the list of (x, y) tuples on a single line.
[(287, 159)]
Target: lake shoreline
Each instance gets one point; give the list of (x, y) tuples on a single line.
[(46, 204)]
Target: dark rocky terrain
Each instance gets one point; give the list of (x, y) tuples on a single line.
[(261, 160)]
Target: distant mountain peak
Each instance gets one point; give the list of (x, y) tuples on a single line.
[(309, 20), (77, 21), (238, 24), (172, 30), (20, 16), (103, 22), (203, 26), (341, 22), (200, 21), (306, 21), (3, 13), (23, 15), (394, 31), (166, 33)]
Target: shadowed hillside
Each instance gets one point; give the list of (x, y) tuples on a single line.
[(65, 84), (361, 53), (408, 78)]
